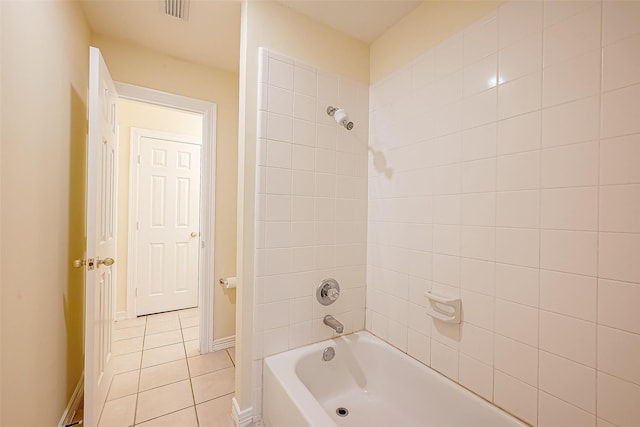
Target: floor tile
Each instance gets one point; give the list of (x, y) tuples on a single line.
[(188, 322), (163, 326), (209, 362), (232, 354), (130, 345), (190, 312), (124, 385), (119, 412), (214, 384), (192, 348), (191, 333), (162, 339), (163, 400), (162, 317), (182, 418), (126, 362), (164, 354), (130, 323), (164, 374), (216, 412), (126, 333), (160, 393)]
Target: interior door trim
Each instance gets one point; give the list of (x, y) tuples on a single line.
[(207, 200)]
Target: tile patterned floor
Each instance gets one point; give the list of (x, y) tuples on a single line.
[(161, 378)]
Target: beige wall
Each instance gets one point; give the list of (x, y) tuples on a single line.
[(283, 30), (273, 26), (45, 56), (140, 66), (429, 24), (132, 114)]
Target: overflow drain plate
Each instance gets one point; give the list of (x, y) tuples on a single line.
[(342, 412)]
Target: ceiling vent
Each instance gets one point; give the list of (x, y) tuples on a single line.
[(176, 8)]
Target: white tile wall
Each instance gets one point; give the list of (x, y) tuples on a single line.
[(311, 208), (514, 148), (556, 412)]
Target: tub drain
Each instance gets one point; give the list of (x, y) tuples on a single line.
[(342, 412)]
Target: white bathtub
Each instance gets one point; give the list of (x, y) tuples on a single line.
[(378, 384)]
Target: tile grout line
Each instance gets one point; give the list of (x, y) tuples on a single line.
[(598, 213), (163, 415), (144, 337), (494, 227), (186, 359), (540, 191), (231, 358)]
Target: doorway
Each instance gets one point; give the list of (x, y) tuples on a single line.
[(190, 258)]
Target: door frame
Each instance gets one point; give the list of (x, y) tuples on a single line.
[(207, 197), (134, 182)]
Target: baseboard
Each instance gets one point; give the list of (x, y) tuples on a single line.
[(74, 403), (241, 418), (121, 315), (222, 343)]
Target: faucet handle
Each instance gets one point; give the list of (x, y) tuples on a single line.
[(333, 294), (328, 291)]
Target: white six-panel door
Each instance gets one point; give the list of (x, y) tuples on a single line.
[(101, 231), (168, 224)]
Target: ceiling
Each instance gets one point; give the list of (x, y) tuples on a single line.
[(211, 35), (363, 20)]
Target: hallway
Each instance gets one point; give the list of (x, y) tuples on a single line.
[(163, 380)]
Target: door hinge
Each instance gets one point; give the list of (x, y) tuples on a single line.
[(139, 159), (202, 244), (136, 291), (137, 225)]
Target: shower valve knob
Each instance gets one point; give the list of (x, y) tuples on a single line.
[(328, 291)]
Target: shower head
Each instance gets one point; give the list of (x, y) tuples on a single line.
[(341, 117)]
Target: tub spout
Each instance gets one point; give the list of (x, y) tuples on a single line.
[(331, 321)]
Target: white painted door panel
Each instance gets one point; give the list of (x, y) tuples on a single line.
[(101, 231), (168, 225)]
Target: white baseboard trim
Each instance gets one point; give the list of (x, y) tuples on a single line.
[(73, 404), (121, 315), (222, 343), (241, 418)]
